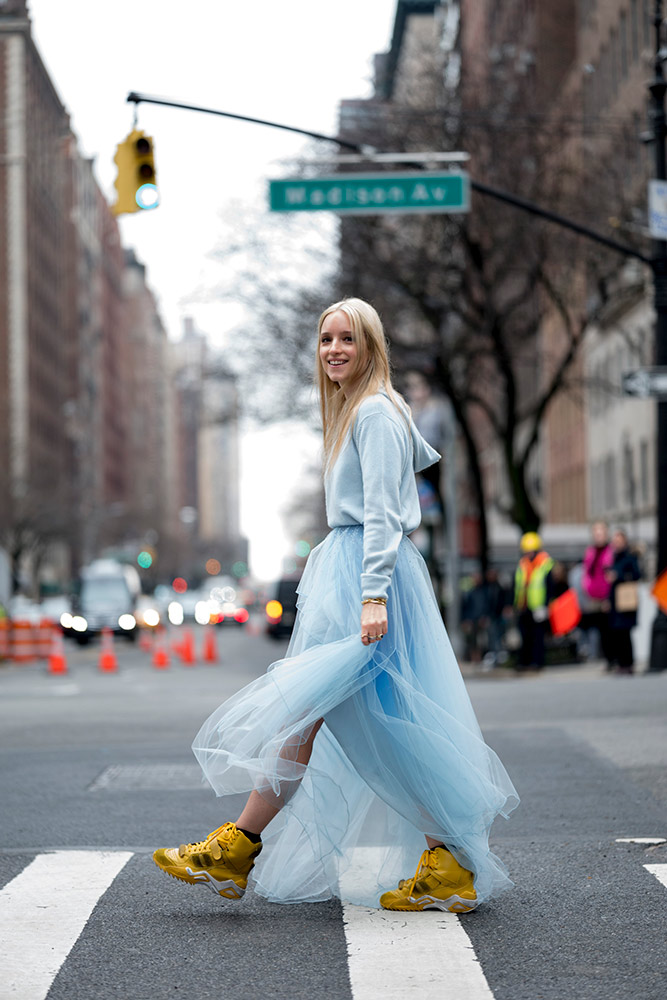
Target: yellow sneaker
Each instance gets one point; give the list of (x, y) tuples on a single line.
[(440, 883), (222, 861)]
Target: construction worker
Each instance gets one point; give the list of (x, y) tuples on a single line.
[(532, 585)]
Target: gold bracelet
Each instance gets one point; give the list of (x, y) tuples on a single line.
[(375, 600)]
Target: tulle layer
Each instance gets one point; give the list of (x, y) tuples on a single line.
[(400, 753)]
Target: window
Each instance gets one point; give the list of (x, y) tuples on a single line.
[(648, 23), (629, 483), (637, 146), (623, 44), (644, 472), (613, 62), (610, 483), (597, 496), (634, 30), (648, 343)]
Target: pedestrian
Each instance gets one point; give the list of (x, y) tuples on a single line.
[(498, 608), (532, 593), (368, 711), (559, 581), (474, 618), (622, 577), (596, 588)]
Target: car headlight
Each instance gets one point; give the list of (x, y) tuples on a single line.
[(79, 623), (66, 619), (152, 617), (175, 613), (127, 622), (202, 612)]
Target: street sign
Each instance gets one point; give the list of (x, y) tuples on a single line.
[(657, 209), (374, 194), (646, 382)]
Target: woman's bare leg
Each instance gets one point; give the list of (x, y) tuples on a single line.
[(259, 810)]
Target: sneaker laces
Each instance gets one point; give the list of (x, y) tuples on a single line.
[(427, 861), (214, 844)]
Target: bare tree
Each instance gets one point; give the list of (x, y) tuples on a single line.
[(281, 271), (472, 296), (31, 526)]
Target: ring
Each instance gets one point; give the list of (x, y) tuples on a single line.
[(365, 635)]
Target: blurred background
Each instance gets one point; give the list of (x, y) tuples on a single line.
[(156, 409)]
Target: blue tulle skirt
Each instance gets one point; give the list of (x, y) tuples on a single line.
[(400, 754)]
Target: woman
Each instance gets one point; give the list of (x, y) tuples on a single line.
[(367, 720), (623, 615), (597, 560)]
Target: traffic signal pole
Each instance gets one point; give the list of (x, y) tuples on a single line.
[(368, 151), (658, 88), (657, 262)]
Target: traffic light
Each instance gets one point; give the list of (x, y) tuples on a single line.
[(135, 182)]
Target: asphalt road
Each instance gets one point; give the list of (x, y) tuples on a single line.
[(101, 761)]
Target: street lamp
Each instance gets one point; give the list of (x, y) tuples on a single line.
[(658, 88)]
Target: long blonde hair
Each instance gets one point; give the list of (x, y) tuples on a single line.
[(338, 410)]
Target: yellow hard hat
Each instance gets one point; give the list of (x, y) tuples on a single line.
[(531, 542)]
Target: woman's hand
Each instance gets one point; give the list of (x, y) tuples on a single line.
[(374, 623)]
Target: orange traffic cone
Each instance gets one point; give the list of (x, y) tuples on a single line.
[(160, 652), (187, 648), (57, 664), (210, 648), (108, 662)]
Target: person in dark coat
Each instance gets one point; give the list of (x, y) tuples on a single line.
[(498, 609), (473, 619), (624, 569)]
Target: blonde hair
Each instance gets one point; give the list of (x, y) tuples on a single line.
[(337, 409)]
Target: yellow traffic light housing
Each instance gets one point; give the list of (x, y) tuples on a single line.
[(135, 182)]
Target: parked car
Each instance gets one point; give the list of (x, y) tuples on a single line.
[(189, 601), (106, 596), (225, 605), (281, 608)]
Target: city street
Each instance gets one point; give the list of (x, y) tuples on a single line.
[(96, 767)]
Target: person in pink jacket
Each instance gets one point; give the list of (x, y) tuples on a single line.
[(597, 560)]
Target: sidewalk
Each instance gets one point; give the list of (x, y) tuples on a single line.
[(588, 669)]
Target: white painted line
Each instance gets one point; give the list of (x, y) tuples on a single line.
[(641, 840), (42, 913), (660, 872), (398, 956)]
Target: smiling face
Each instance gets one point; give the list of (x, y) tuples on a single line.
[(339, 354)]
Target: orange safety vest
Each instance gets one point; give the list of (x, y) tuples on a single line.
[(530, 581)]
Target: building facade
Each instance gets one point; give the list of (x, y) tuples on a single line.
[(569, 78), (90, 433), (34, 127)]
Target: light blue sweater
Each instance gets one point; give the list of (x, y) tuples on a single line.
[(373, 483)]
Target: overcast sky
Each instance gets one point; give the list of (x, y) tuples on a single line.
[(289, 61)]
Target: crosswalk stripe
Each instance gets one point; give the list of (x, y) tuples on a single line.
[(42, 913), (402, 955), (660, 872)]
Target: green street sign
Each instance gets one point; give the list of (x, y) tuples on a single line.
[(374, 194)]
